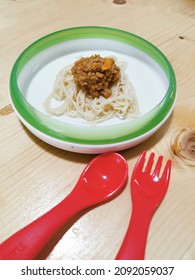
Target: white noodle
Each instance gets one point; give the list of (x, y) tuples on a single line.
[(122, 103)]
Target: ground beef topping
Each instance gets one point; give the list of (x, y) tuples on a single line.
[(95, 75)]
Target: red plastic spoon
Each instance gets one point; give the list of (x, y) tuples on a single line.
[(102, 178)]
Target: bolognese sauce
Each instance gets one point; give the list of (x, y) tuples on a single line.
[(95, 75)]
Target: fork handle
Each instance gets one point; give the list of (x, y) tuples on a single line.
[(134, 243)]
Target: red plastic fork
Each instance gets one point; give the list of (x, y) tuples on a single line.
[(148, 190)]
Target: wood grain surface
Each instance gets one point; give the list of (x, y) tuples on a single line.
[(35, 176)]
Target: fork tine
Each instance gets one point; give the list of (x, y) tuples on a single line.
[(150, 163), (167, 171), (140, 162), (158, 167)]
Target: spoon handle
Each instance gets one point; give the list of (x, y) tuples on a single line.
[(28, 242), (134, 243)]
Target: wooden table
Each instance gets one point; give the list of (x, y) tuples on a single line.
[(35, 176)]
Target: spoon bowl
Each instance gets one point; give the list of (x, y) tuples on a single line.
[(104, 177), (101, 180)]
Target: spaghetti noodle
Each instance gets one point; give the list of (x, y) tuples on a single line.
[(122, 103)]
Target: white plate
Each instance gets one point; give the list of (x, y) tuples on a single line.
[(36, 68)]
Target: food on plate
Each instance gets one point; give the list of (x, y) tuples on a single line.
[(95, 75), (93, 88)]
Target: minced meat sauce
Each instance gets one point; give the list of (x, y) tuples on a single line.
[(95, 75)]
